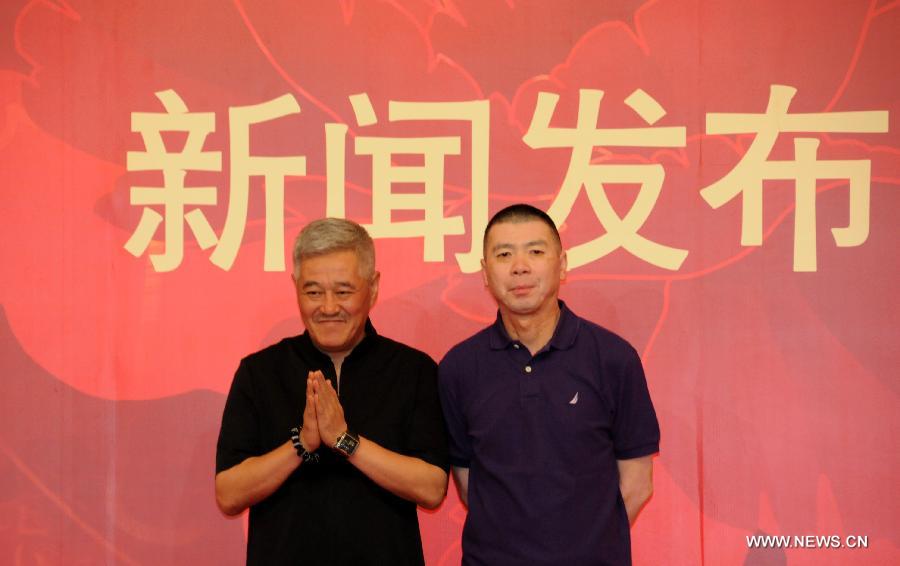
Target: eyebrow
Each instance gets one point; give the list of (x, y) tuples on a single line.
[(339, 284), (507, 246)]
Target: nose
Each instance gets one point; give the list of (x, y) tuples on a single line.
[(520, 264), (330, 304)]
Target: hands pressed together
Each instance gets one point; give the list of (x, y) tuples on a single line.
[(323, 417)]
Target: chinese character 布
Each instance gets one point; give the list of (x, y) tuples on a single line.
[(805, 170)]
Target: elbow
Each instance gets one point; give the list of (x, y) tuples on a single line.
[(433, 498), (646, 493), (637, 493), (227, 504), (227, 508), (433, 495), (642, 494)]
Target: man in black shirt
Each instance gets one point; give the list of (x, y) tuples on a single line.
[(332, 438)]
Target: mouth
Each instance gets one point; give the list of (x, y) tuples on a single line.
[(521, 290)]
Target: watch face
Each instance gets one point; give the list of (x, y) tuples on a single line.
[(346, 443)]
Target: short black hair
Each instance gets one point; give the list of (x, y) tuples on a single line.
[(522, 212)]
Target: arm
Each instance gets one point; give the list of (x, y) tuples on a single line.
[(404, 476), (408, 477), (449, 377), (258, 477), (635, 436), (255, 479), (461, 479), (636, 484)]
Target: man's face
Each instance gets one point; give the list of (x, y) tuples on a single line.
[(523, 266), (335, 300)]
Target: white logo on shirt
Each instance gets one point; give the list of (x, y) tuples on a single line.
[(574, 400)]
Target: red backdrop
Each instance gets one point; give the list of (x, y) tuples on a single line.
[(770, 358)]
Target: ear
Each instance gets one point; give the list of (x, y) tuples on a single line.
[(563, 265), (373, 288), (484, 276)]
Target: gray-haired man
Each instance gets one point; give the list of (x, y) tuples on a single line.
[(332, 438)]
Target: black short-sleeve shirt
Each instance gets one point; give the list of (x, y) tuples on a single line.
[(541, 436), (329, 512)]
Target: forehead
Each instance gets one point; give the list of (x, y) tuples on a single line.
[(342, 265), (517, 233)]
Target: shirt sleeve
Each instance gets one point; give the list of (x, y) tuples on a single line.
[(635, 427), (427, 439), (449, 377), (239, 435)]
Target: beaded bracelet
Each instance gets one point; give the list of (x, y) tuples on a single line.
[(305, 455)]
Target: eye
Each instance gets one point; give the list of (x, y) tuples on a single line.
[(504, 255), (343, 294), (312, 294), (536, 252)]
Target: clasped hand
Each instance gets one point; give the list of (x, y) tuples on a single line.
[(323, 417)]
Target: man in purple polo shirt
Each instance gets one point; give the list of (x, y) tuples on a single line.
[(552, 430)]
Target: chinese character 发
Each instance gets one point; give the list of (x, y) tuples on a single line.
[(621, 232)]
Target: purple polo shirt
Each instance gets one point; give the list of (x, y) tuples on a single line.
[(541, 435)]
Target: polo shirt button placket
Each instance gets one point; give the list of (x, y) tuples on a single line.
[(529, 384)]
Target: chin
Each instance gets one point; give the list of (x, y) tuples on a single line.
[(526, 305), (334, 343), (326, 342), (521, 307)]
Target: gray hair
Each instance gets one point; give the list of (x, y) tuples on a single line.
[(329, 235)]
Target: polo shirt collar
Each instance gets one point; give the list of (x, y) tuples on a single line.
[(563, 336)]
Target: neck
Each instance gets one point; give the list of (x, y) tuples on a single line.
[(337, 360), (534, 330)]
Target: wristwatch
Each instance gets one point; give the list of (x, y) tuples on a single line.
[(347, 443), (305, 455)]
